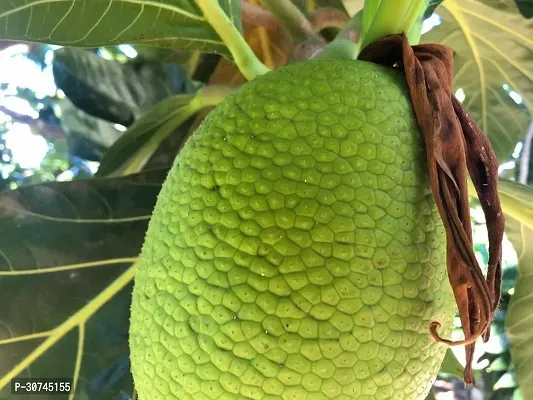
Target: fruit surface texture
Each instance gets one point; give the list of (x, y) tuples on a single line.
[(295, 251)]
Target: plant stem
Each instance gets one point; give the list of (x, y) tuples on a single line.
[(210, 96), (345, 45), (341, 49), (378, 19), (291, 18), (387, 17), (247, 62)]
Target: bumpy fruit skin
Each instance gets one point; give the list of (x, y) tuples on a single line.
[(295, 251)]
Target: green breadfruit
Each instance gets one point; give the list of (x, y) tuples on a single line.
[(295, 251)]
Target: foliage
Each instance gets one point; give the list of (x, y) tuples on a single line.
[(68, 249), (492, 43)]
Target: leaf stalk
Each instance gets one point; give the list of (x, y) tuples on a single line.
[(244, 57)]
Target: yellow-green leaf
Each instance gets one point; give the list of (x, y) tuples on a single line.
[(519, 321), (178, 24), (493, 45), (450, 365)]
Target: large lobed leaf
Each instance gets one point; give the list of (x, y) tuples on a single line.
[(518, 204), (112, 91), (94, 23), (493, 46), (519, 324), (77, 123), (66, 251)]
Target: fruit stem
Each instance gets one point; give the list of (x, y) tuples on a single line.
[(244, 57), (346, 43), (343, 49), (387, 17)]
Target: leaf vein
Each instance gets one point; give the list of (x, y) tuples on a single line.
[(171, 8), (61, 20), (496, 24), (456, 13)]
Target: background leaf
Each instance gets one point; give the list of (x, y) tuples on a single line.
[(517, 200), (450, 365), (140, 132), (519, 322), (525, 7), (178, 24), (433, 4), (493, 47), (166, 153), (144, 128), (112, 91), (97, 133), (61, 245)]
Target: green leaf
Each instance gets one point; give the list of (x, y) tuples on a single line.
[(433, 4), (165, 155), (519, 324), (507, 380), (517, 201), (499, 364), (77, 123), (493, 44), (164, 23), (185, 59), (112, 91), (66, 254), (154, 123), (451, 365), (135, 148)]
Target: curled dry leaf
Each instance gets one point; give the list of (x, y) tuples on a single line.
[(454, 145)]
